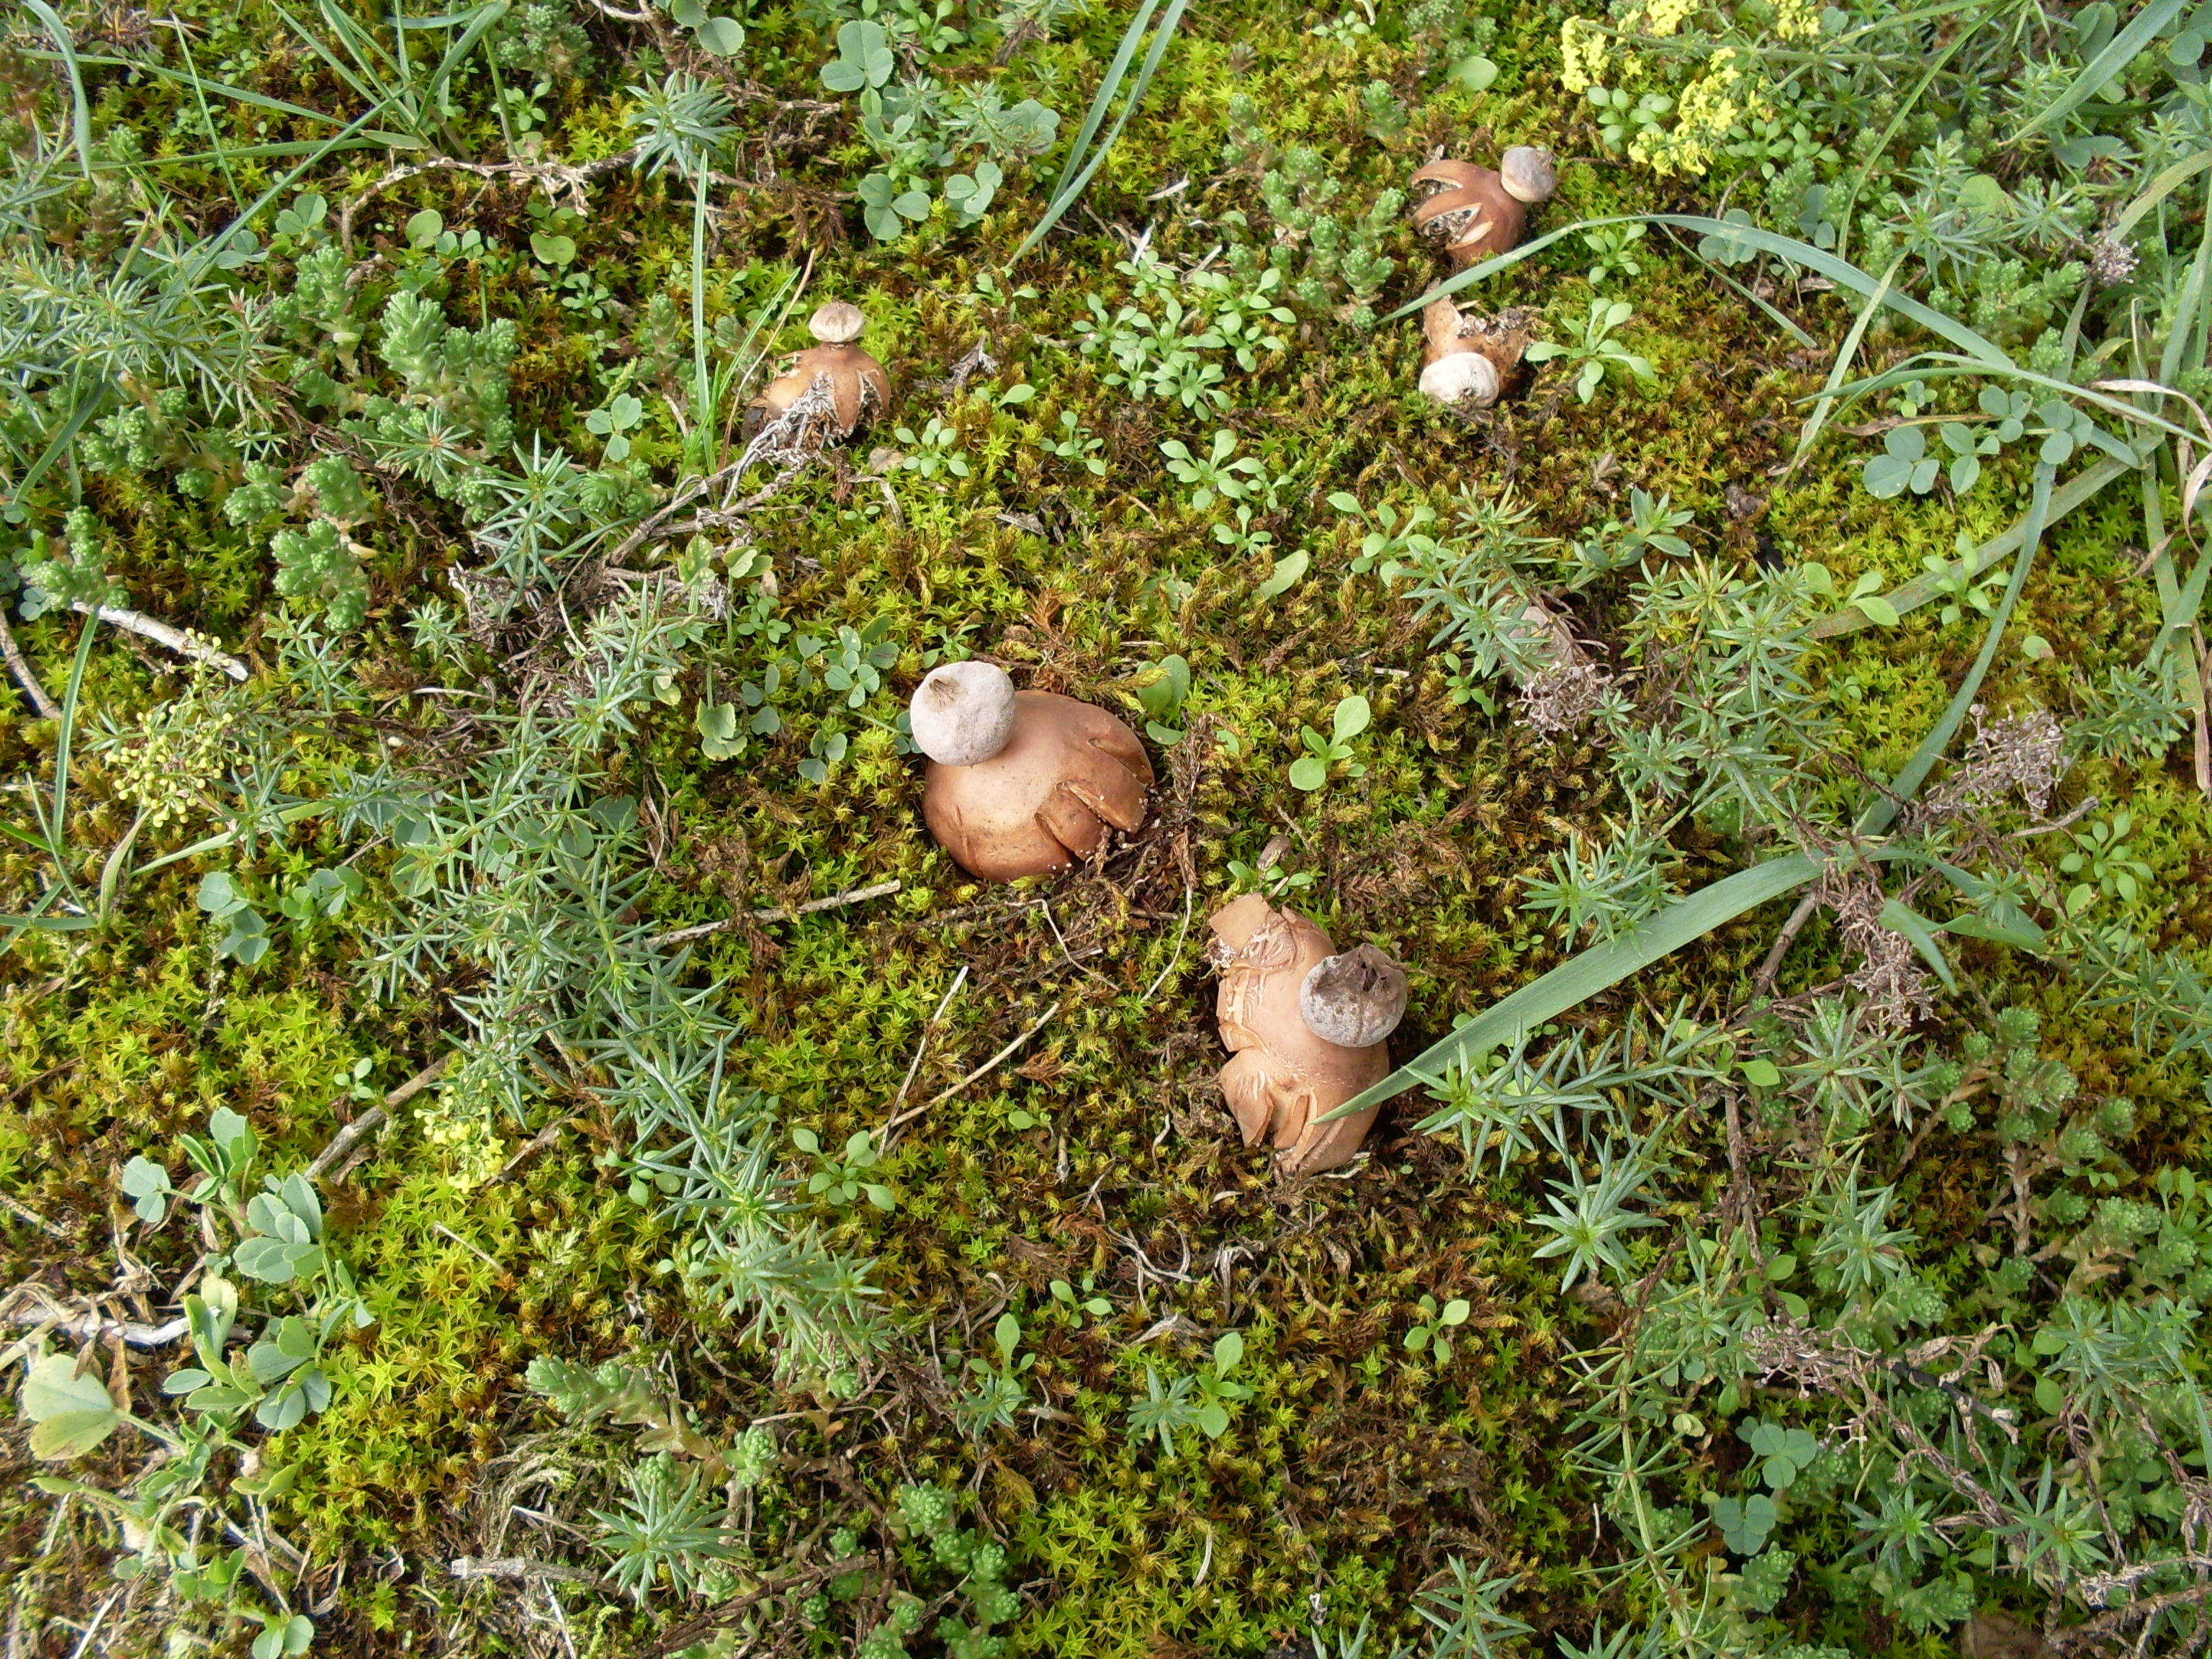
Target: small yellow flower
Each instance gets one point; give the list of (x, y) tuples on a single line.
[(1664, 17), (1583, 48), (1795, 19)]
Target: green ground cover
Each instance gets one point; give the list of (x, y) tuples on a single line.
[(407, 1246)]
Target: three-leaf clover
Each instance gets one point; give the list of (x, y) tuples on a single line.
[(864, 58), (622, 412)]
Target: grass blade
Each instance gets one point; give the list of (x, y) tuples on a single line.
[(2119, 52), (1882, 812), (80, 110), (1841, 272), (1070, 191), (1921, 590), (1598, 969), (1841, 366)]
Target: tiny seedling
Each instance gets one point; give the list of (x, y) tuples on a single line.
[(1311, 770), (842, 1177), (2102, 855), (1430, 1332), (997, 1392), (1079, 1302), (1199, 1401), (1590, 344), (1162, 698), (1274, 881), (1076, 444)]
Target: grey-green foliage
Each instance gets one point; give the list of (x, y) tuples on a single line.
[(452, 408), (258, 1351), (2080, 1406), (1330, 252), (1179, 332), (925, 1516)]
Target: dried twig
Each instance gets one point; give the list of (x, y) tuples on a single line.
[(728, 1613), (835, 901), (983, 1070), (922, 1047), (31, 1217), (348, 1137), (196, 646), (19, 667)]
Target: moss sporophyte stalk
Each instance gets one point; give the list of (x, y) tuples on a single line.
[(702, 696)]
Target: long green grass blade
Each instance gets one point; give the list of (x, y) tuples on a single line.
[(1818, 418), (1882, 812), (1067, 194), (240, 95), (1922, 590), (456, 54), (2119, 52), (1841, 272), (1078, 147), (2159, 189), (1598, 969), (79, 108), (1603, 966)]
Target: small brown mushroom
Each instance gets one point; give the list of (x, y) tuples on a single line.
[(1022, 783), (1468, 359), (1289, 1008), (1476, 213), (857, 387)]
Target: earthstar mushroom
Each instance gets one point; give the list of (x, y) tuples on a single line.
[(1476, 213), (859, 388), (1305, 1027), (1022, 783), (1468, 359)]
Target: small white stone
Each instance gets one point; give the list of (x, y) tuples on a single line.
[(1464, 376), (962, 712)]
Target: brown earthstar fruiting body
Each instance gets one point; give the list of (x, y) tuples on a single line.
[(1466, 359), (1282, 1075), (858, 386), (1063, 774), (1476, 213)]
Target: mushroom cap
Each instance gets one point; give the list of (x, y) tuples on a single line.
[(1469, 210), (962, 712), (1528, 174), (838, 323), (1355, 999), (857, 386), (1282, 1076), (1044, 800), (1461, 375)]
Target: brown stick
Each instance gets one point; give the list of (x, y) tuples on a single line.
[(19, 667), (346, 1138), (146, 627), (707, 1624), (834, 902)]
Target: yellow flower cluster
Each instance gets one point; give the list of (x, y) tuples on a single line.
[(178, 755), (1583, 50), (1795, 19), (473, 1151), (1709, 106), (1664, 17)]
